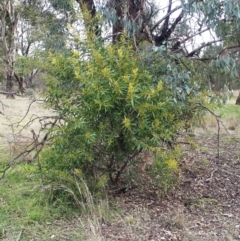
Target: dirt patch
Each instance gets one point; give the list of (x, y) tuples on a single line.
[(205, 207)]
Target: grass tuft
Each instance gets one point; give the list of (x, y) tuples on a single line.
[(25, 211)]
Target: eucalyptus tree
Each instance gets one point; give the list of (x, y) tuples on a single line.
[(173, 24), (35, 36), (27, 29), (15, 41), (8, 28), (172, 31)]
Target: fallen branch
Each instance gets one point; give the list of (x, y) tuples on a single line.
[(7, 93)]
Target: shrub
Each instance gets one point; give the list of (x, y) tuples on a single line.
[(112, 109)]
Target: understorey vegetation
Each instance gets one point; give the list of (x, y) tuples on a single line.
[(128, 81), (119, 118)]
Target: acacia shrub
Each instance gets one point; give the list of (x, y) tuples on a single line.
[(112, 110)]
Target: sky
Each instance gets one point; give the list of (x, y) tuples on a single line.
[(204, 37)]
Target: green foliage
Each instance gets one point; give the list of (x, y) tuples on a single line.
[(165, 170), (220, 73), (24, 65), (18, 202), (112, 108)]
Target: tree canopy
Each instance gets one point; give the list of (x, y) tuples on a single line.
[(182, 28)]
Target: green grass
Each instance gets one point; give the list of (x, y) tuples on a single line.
[(24, 206), (25, 210), (229, 115), (229, 111)]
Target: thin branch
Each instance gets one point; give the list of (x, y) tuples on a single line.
[(195, 51), (7, 93), (219, 122), (29, 106), (40, 119), (3, 105), (35, 145), (166, 22), (12, 161), (119, 172), (166, 33), (166, 16), (195, 34), (184, 64), (227, 48), (205, 59)]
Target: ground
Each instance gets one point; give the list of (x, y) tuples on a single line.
[(204, 206)]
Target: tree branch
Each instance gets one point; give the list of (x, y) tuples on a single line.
[(166, 22), (166, 16), (227, 48), (195, 51), (167, 32)]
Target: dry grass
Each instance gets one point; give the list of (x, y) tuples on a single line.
[(232, 101), (18, 119), (229, 118), (232, 123), (13, 111)]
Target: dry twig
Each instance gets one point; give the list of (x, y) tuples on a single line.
[(20, 235)]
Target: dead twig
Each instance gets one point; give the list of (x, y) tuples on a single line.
[(41, 119), (211, 177), (7, 93), (12, 161), (219, 123), (3, 105), (29, 106), (121, 169), (36, 145), (20, 235)]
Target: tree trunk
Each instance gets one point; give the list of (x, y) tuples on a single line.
[(29, 79), (118, 26), (238, 100), (9, 86), (8, 32), (20, 83), (89, 9)]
